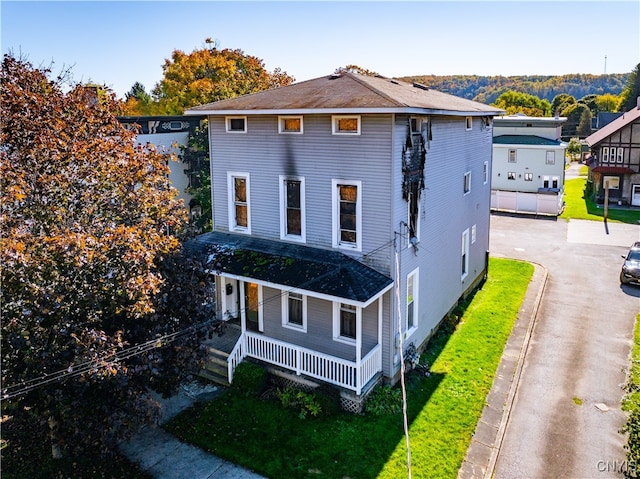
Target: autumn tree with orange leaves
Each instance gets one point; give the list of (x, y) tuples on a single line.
[(97, 303)]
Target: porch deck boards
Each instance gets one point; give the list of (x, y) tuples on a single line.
[(227, 340)]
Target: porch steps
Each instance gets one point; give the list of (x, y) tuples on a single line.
[(215, 367)]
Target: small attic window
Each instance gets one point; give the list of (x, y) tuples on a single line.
[(236, 124), (290, 124), (345, 124), (468, 123)]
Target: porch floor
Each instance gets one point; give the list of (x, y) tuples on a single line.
[(227, 340)]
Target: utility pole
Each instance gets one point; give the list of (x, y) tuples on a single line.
[(605, 64)]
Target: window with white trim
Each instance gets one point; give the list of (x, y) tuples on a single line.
[(347, 214), (290, 124), (604, 154), (619, 155), (467, 182), (555, 182), (545, 182), (528, 177), (239, 204), (485, 172), (345, 124), (292, 208), (473, 234), (464, 256), (511, 175), (294, 311), (512, 156), (345, 322), (551, 158), (236, 124), (468, 123), (411, 320)]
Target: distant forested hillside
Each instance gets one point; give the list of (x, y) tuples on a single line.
[(486, 89)]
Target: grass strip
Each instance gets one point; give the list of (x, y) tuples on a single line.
[(443, 408), (577, 206)]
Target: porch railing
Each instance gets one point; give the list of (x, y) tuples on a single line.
[(331, 369)]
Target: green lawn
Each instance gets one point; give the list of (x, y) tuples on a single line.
[(631, 402), (443, 409), (579, 207)]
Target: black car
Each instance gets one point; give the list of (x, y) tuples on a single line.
[(631, 268)]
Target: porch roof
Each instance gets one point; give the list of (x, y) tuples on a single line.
[(325, 272), (613, 170)]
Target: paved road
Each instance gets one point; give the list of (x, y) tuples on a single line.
[(566, 414)]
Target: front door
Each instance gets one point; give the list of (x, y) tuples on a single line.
[(635, 195), (251, 305)]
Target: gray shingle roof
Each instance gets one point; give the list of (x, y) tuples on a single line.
[(325, 272), (615, 125), (348, 91)]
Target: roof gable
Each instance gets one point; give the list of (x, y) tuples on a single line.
[(351, 92), (620, 122)]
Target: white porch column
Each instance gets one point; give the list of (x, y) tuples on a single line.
[(358, 349), (243, 307)]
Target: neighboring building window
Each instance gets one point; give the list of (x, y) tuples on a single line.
[(545, 182), (620, 155), (554, 182), (347, 214), (551, 157), (604, 154), (412, 300), (292, 210), (344, 322), (512, 156), (528, 177), (468, 123), (236, 124), (294, 311), (465, 254), (290, 124), (345, 125), (485, 172), (511, 175), (467, 182), (473, 234), (239, 209)]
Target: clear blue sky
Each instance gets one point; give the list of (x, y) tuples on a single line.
[(119, 43)]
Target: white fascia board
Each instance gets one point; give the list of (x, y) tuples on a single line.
[(340, 111), (313, 294)]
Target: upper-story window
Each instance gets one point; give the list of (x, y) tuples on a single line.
[(512, 156), (619, 155), (292, 208), (236, 124), (485, 172), (290, 124), (347, 214), (604, 154), (467, 182), (345, 124), (239, 204), (413, 214), (468, 123), (528, 177), (511, 175), (551, 158)]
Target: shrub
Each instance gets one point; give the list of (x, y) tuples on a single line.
[(384, 400), (249, 379), (306, 403)]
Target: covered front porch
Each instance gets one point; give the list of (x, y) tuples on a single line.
[(316, 313)]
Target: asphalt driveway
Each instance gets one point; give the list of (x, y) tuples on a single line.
[(566, 416)]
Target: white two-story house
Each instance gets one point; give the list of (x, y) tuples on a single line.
[(527, 174), (350, 215)]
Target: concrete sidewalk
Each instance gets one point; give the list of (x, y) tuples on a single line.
[(165, 457), (483, 451)]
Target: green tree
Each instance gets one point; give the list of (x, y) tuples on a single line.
[(584, 126), (516, 102), (356, 69), (91, 276), (574, 148), (210, 74), (573, 113), (137, 101), (607, 102), (631, 92), (561, 102), (196, 154)]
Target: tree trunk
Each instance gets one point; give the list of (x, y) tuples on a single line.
[(56, 452)]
